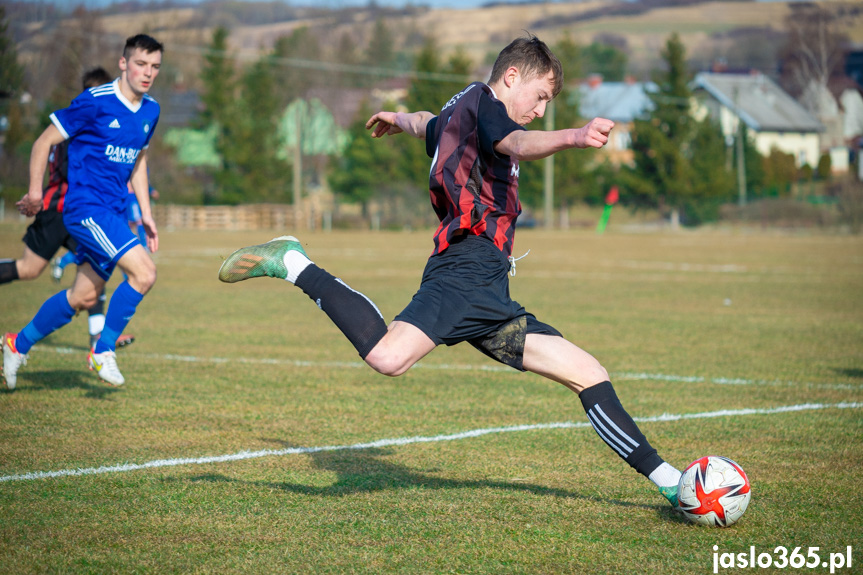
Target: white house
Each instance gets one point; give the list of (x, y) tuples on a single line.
[(773, 118)]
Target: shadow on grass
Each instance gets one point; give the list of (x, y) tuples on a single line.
[(366, 471), (33, 381), (849, 372)]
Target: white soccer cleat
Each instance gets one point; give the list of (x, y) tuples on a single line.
[(105, 366), (12, 360), (56, 270)]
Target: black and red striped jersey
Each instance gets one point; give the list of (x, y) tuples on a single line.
[(473, 190), (54, 194)]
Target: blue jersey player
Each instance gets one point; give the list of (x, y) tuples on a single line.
[(108, 129)]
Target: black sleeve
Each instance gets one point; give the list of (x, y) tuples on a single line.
[(431, 144), (493, 123)]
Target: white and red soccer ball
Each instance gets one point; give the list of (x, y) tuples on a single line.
[(713, 490)]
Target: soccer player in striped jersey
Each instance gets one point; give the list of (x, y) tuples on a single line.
[(109, 129), (476, 143)]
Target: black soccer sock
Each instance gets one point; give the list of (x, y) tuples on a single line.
[(617, 429), (99, 308), (8, 271), (352, 312)]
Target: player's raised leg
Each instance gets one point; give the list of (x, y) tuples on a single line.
[(564, 362), (354, 314)]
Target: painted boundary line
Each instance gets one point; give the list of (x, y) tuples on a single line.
[(243, 455), (618, 376)]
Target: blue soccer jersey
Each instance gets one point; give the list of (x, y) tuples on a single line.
[(106, 133)]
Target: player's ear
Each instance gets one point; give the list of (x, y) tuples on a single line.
[(510, 76), (122, 64)]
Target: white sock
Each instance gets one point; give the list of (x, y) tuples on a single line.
[(665, 476), (96, 323), (295, 263)]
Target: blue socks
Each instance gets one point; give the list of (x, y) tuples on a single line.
[(121, 308), (54, 314)]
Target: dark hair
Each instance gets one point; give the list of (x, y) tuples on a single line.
[(532, 57), (146, 43), (95, 77)]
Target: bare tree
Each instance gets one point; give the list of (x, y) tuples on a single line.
[(813, 53)]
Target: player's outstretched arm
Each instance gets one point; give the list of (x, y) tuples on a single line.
[(536, 144), (31, 203), (392, 123)]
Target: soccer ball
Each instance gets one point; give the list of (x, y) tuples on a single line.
[(713, 490)]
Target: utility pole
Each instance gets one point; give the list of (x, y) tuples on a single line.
[(298, 168), (548, 174), (741, 161)]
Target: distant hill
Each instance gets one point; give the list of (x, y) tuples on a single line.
[(741, 34)]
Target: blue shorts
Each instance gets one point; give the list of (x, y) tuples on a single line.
[(103, 238)]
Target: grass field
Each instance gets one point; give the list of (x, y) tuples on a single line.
[(249, 438)]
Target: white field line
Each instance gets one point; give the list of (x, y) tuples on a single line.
[(619, 376), (243, 455)]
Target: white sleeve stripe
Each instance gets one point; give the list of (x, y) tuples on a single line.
[(606, 439), (616, 428), (607, 436), (59, 126)]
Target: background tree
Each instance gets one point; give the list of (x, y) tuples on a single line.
[(433, 86), (11, 73), (367, 165), (12, 157), (573, 181), (217, 78), (605, 60), (678, 161), (294, 81), (252, 169), (77, 48), (380, 52), (813, 53)]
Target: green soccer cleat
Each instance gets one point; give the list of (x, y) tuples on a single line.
[(257, 261), (670, 493)]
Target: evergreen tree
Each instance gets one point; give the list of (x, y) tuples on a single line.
[(11, 73), (252, 169), (573, 178), (381, 49), (295, 81), (679, 162), (367, 166), (217, 76), (605, 60)]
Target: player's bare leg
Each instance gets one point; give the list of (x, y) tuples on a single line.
[(562, 361), (402, 346)]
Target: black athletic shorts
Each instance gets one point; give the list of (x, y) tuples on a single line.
[(464, 296), (47, 233)]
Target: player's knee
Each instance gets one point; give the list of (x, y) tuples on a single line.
[(387, 363), (29, 270), (595, 375), (81, 300), (144, 279)]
